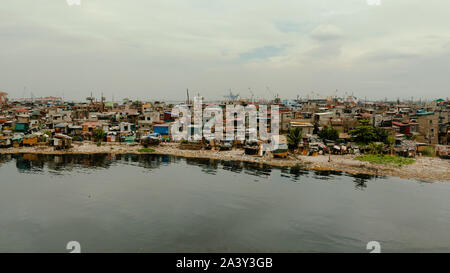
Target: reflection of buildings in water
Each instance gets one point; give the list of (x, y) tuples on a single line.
[(152, 161), (34, 163), (326, 174), (207, 165), (361, 180), (234, 166), (257, 169), (23, 165)]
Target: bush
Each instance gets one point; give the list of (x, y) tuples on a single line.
[(77, 138), (376, 148), (429, 151), (99, 135), (48, 133)]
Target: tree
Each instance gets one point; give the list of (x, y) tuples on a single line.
[(382, 135), (363, 134), (294, 137), (390, 140), (328, 133), (137, 103), (99, 135), (367, 134)]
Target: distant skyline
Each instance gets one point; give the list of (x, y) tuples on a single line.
[(157, 49)]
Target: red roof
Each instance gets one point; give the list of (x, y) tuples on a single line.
[(396, 123)]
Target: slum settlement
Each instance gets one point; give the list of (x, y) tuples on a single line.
[(308, 127)]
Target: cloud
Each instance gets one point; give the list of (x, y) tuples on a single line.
[(327, 33), (382, 56), (287, 27), (262, 53), (138, 48)]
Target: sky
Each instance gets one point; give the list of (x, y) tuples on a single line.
[(154, 50)]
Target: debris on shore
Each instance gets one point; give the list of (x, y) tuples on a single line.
[(425, 168)]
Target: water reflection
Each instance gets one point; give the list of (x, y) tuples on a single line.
[(61, 164), (156, 203)]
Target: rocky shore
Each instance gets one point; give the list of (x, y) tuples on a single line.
[(424, 169)]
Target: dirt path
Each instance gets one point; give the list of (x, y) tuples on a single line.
[(425, 168)]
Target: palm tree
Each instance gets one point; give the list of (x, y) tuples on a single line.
[(294, 137)]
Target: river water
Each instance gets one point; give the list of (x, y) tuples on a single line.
[(150, 203)]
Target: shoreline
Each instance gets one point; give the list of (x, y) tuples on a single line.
[(429, 169)]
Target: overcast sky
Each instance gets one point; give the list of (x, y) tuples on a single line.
[(145, 49)]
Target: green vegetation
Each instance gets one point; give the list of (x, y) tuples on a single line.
[(386, 159), (364, 121), (294, 137), (328, 133), (368, 134), (146, 150), (376, 148), (99, 135), (429, 151), (48, 133), (390, 141), (77, 138)]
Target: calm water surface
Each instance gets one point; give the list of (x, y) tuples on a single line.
[(153, 203)]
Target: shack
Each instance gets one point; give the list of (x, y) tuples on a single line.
[(22, 127), (162, 129), (17, 140), (30, 140), (61, 142), (5, 141)]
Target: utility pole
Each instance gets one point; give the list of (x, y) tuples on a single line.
[(187, 91)]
